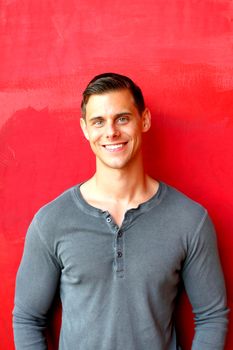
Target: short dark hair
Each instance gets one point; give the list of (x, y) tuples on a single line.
[(107, 82)]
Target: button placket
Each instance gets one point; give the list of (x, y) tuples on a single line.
[(118, 246), (119, 253)]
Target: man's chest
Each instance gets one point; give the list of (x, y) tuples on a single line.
[(149, 255)]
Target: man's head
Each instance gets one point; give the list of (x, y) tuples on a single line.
[(114, 118), (108, 82)]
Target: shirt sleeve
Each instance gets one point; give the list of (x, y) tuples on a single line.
[(36, 285), (204, 283)]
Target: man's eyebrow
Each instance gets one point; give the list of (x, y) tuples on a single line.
[(95, 118), (123, 113)]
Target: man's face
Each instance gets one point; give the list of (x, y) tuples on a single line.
[(114, 128)]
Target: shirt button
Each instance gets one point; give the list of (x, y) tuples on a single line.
[(120, 234), (108, 219), (119, 254)]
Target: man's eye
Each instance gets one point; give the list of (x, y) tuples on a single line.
[(98, 123), (123, 120)]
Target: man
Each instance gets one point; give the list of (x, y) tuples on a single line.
[(118, 245)]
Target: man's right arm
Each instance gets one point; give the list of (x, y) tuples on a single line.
[(36, 284)]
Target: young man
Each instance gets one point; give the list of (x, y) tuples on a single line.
[(118, 245)]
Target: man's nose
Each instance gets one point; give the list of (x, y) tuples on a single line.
[(112, 130)]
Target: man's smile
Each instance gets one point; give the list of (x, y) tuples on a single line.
[(114, 147)]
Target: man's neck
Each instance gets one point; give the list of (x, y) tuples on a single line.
[(120, 185), (118, 190)]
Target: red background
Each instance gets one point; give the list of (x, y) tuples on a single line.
[(179, 51)]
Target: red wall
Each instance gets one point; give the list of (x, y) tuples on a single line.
[(179, 51)]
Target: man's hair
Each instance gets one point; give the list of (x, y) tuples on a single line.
[(107, 82)]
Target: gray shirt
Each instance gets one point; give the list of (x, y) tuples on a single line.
[(118, 285)]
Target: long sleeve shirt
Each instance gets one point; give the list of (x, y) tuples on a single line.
[(118, 285)]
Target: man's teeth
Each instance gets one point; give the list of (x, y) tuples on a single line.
[(114, 147)]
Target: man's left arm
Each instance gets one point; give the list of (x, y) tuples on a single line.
[(204, 283)]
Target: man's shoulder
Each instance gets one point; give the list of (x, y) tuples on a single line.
[(182, 214), (182, 205), (57, 209)]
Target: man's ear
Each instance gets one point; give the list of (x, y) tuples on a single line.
[(146, 120), (84, 127)]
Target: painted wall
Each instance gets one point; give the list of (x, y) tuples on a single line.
[(179, 51)]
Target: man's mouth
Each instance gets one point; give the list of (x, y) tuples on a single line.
[(115, 147)]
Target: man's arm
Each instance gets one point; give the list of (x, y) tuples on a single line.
[(36, 284), (204, 283)]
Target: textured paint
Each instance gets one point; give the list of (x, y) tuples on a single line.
[(179, 51)]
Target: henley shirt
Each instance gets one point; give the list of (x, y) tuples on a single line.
[(118, 285)]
